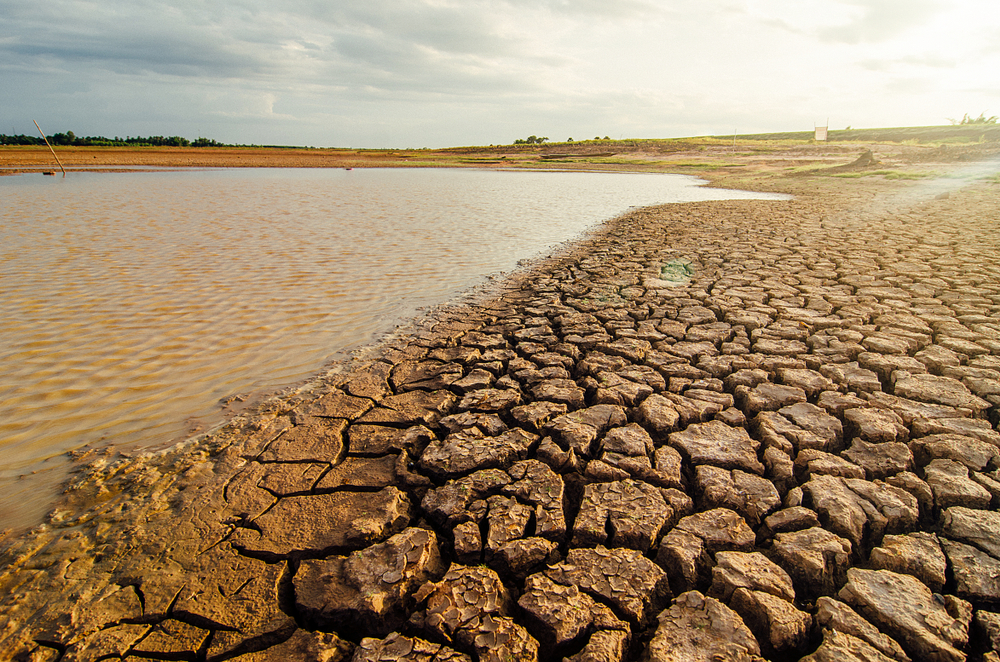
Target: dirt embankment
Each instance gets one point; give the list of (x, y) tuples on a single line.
[(714, 158)]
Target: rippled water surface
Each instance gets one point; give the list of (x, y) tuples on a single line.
[(130, 304)]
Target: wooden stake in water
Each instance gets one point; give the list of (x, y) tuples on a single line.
[(50, 148)]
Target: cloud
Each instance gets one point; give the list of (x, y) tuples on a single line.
[(363, 73), (880, 20), (620, 9), (405, 45), (911, 61)]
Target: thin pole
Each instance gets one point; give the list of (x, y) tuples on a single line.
[(50, 148)]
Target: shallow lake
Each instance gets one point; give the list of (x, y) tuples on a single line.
[(131, 303)]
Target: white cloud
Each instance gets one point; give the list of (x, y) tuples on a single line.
[(439, 72)]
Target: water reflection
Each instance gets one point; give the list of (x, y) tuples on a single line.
[(131, 303)]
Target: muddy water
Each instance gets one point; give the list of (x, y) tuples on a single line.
[(130, 304)]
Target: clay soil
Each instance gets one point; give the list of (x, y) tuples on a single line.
[(732, 430)]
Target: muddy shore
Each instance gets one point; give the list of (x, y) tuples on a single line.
[(722, 430)]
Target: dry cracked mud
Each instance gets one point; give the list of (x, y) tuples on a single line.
[(788, 453)]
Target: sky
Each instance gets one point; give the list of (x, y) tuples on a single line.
[(437, 73)]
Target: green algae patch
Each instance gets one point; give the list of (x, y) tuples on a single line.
[(676, 271)]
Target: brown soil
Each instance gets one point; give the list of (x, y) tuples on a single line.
[(715, 159), (788, 450)]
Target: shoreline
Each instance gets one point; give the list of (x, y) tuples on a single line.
[(248, 543), (22, 501)]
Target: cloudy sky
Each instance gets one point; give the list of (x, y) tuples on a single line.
[(433, 73)]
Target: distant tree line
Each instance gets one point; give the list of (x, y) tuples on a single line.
[(531, 140), (71, 139)]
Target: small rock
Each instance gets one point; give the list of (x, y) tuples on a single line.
[(685, 556), (721, 530), (696, 627), (668, 466), (749, 495), (490, 425), (911, 410), (629, 440), (500, 639), (918, 554), (558, 614), (733, 417), (633, 513), (952, 486), (579, 429), (778, 625), (768, 397), (909, 482), (837, 404), (397, 648), (879, 460), (604, 646), (967, 427), (369, 588), (381, 440), (884, 365), (561, 391), (777, 431), (791, 519), (517, 558), (815, 420), (780, 469), (693, 409), (456, 606), (536, 483), (875, 425), (811, 462), (975, 527), (988, 626), (752, 571), (810, 381), (838, 646), (463, 452), (908, 611), (624, 578), (977, 574), (975, 454), (536, 414), (718, 444), (852, 377), (490, 400), (815, 559), (468, 543), (861, 510), (659, 414), (508, 520), (449, 504), (410, 408), (834, 615), (938, 390)]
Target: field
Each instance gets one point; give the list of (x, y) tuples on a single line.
[(721, 159)]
